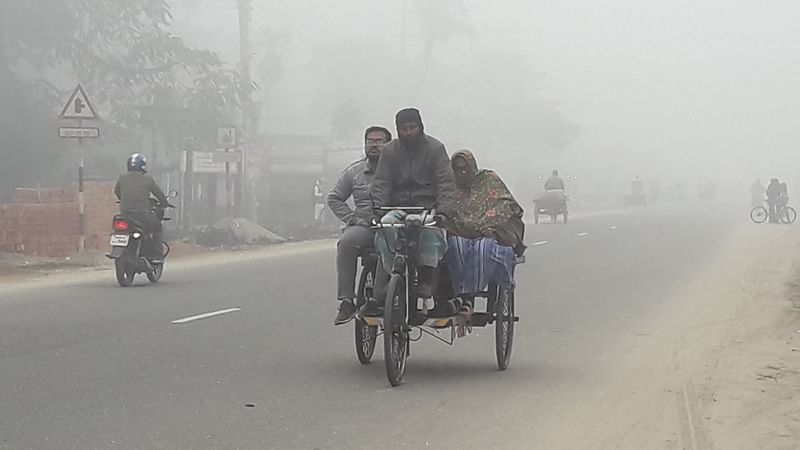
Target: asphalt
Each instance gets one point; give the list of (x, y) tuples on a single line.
[(88, 365)]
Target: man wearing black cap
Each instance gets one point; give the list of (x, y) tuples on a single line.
[(414, 170)]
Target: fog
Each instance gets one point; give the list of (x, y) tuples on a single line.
[(673, 91), (681, 89)]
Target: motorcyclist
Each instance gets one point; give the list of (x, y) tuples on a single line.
[(133, 190), (356, 181), (773, 197), (554, 182)]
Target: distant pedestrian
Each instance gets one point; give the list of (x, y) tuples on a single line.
[(319, 202)]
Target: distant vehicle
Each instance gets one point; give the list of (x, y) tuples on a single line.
[(635, 200), (551, 203)]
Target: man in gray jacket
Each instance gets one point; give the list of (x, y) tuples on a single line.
[(414, 170), (355, 181)]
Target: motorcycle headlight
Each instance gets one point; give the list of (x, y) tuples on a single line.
[(136, 235)]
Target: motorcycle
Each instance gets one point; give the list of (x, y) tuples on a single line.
[(128, 238)]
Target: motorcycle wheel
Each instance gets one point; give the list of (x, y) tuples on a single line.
[(124, 273), (155, 274)]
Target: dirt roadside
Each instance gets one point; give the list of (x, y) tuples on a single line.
[(716, 368), (20, 268), (17, 267)]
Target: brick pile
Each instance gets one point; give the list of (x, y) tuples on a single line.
[(51, 195), (101, 206), (45, 222)]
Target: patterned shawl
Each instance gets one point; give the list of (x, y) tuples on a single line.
[(483, 201)]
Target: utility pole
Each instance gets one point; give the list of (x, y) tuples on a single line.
[(245, 55)]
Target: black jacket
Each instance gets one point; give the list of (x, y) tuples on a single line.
[(419, 176)]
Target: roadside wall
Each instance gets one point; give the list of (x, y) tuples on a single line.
[(45, 222)]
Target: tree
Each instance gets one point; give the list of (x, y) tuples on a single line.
[(440, 21), (123, 52)]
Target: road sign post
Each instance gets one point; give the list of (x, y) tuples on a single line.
[(227, 138), (79, 108)]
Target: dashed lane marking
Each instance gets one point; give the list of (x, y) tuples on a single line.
[(206, 315), (539, 243), (582, 234)]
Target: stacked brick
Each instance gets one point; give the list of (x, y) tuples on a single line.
[(37, 196), (45, 222), (101, 207)]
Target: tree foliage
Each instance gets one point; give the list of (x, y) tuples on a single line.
[(122, 51)]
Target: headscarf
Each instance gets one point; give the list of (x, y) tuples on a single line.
[(484, 201)]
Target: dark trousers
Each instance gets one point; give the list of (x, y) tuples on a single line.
[(773, 211), (355, 241), (151, 247)]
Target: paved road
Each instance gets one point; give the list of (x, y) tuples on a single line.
[(88, 365)]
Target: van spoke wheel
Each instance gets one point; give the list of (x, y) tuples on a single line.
[(504, 326), (759, 214), (124, 272), (395, 330), (366, 337)]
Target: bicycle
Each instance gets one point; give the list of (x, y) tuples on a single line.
[(404, 311)]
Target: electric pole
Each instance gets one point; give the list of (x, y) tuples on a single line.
[(245, 55)]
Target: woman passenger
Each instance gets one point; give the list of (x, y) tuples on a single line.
[(486, 231)]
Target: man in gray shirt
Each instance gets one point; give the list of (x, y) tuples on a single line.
[(356, 181)]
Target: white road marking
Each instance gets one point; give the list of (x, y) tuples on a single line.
[(206, 315), (582, 234), (613, 228), (539, 243)]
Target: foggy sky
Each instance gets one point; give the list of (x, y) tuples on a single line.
[(668, 89)]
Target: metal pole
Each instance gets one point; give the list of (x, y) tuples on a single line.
[(81, 197), (228, 187), (81, 206)]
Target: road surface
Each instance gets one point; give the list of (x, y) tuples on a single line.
[(88, 365)]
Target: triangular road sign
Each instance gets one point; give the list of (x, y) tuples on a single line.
[(78, 106)]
